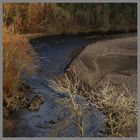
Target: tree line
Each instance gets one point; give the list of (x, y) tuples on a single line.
[(69, 17)]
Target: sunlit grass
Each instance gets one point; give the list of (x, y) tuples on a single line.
[(15, 60)]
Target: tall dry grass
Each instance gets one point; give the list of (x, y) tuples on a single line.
[(120, 106), (16, 59), (34, 18)]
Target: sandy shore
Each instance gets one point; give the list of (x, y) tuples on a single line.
[(115, 59)]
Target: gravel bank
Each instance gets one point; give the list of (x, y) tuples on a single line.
[(115, 58)]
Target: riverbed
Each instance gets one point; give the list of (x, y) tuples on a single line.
[(52, 119)]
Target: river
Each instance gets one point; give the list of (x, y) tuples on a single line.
[(53, 55)]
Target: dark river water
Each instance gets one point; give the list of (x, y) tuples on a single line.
[(53, 55)]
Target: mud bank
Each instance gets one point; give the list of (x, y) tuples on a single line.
[(115, 59)]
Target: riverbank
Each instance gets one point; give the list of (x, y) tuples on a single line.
[(91, 35), (105, 56)]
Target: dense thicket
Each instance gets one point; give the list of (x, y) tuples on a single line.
[(69, 17)]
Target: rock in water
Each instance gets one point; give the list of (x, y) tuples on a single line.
[(36, 103)]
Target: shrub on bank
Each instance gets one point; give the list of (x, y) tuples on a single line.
[(120, 106)]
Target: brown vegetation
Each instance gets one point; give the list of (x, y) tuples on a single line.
[(16, 60), (53, 18)]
